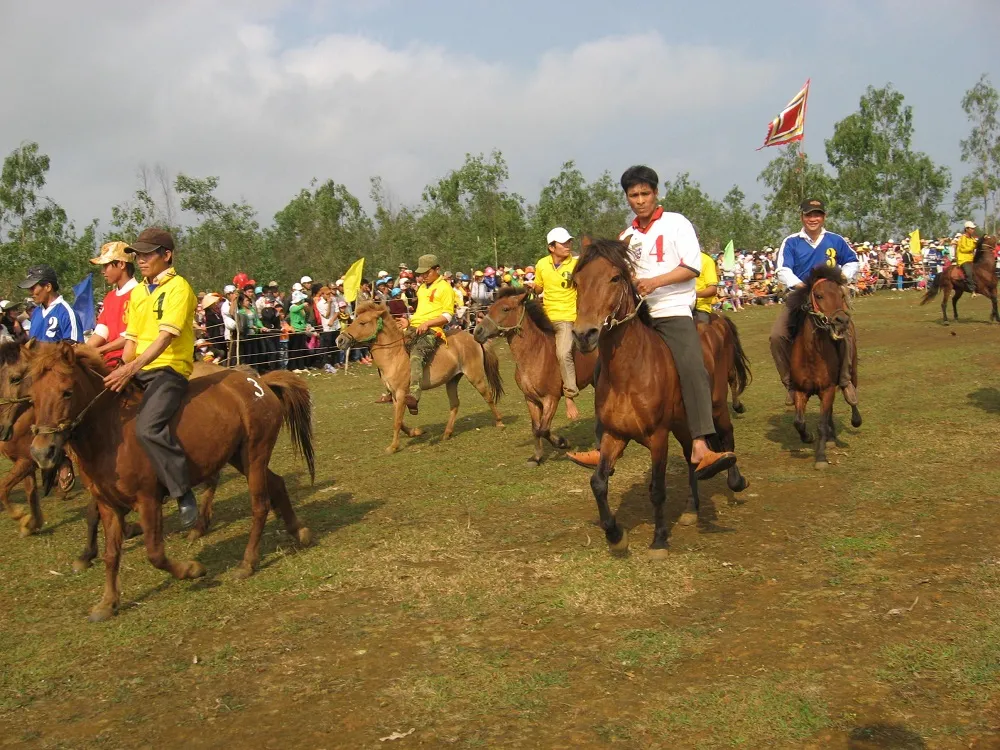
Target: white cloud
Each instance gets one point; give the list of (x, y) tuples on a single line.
[(210, 88)]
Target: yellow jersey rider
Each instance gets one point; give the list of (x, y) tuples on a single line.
[(706, 289), (159, 355), (965, 254), (435, 309)]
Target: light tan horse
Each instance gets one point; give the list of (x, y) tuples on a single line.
[(375, 327)]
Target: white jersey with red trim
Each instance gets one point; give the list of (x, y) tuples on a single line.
[(668, 242)]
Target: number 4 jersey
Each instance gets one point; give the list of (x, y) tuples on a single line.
[(668, 242), (168, 305)]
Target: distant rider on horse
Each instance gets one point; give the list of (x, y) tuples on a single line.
[(965, 255), (435, 309), (798, 256), (159, 355)]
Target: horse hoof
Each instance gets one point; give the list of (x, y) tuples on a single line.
[(446, 436), (657, 553), (102, 613), (533, 463), (620, 548), (688, 518), (807, 438), (822, 465), (305, 537), (416, 432), (17, 512), (391, 449), (195, 534), (739, 408), (80, 565), (241, 572), (738, 486), (195, 570), (562, 443), (25, 531), (855, 418), (501, 426)]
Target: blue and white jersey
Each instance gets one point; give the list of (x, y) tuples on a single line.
[(798, 256), (57, 322)]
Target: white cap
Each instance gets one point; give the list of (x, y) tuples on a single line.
[(228, 289), (306, 280), (970, 225), (340, 282), (296, 287), (4, 304), (382, 274), (558, 235)]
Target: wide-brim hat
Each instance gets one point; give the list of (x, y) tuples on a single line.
[(210, 299)]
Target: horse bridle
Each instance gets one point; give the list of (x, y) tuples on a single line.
[(820, 319), (68, 425), (610, 322), (504, 330)]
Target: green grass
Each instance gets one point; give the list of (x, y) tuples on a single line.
[(455, 591)]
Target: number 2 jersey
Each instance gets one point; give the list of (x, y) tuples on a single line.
[(668, 242), (166, 305), (798, 256)]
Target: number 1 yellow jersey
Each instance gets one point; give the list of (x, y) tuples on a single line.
[(168, 305)]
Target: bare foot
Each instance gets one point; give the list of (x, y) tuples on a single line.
[(571, 411)]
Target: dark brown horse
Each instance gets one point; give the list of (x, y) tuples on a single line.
[(227, 417), (637, 393), (532, 342), (818, 326), (16, 418), (952, 279)]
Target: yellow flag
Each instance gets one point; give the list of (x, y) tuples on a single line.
[(352, 280), (915, 244)]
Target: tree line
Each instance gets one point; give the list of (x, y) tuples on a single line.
[(875, 184)]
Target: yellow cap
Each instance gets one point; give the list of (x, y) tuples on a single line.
[(111, 252)]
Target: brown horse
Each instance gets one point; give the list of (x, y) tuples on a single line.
[(532, 342), (16, 418), (952, 279), (817, 326), (226, 417), (638, 395), (461, 355)]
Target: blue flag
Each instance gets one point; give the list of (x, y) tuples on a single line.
[(83, 302)]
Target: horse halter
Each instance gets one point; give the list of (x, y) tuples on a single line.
[(611, 322), (68, 425), (504, 330), (820, 319), (378, 330)]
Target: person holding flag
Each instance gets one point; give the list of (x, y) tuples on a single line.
[(119, 271)]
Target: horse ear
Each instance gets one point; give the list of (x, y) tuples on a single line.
[(29, 345), (68, 352), (586, 241)]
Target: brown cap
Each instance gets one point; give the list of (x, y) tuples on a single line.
[(153, 239)]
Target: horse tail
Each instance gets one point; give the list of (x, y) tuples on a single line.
[(491, 366), (739, 373), (296, 410), (933, 289)]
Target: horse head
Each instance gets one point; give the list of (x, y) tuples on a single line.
[(369, 320), (14, 381), (505, 315), (828, 303), (65, 380), (605, 295)]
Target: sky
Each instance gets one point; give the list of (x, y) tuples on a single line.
[(269, 94)]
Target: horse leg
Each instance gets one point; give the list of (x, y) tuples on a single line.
[(205, 516), (658, 493), (260, 505), (994, 315), (945, 294), (801, 398), (480, 384), (611, 450), (831, 431), (81, 563), (726, 435), (33, 521), (825, 418), (112, 520), (550, 404), (954, 301), (535, 413), (397, 421), (16, 474), (452, 389), (282, 504), (737, 400), (151, 517)]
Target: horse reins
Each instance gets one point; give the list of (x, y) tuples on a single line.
[(820, 319), (504, 330), (611, 322), (68, 425)]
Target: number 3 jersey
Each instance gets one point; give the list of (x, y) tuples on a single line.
[(168, 304), (668, 242), (556, 287), (798, 256)]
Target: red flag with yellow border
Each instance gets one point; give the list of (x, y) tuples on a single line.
[(790, 125)]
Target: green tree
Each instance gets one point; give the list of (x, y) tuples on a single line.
[(790, 179), (568, 200), (685, 196), (882, 186), (981, 187), (741, 223)]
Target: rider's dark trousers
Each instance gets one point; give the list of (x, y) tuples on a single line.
[(161, 401)]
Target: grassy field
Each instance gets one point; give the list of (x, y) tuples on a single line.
[(460, 598)]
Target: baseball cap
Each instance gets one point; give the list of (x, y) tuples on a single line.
[(272, 285), (112, 252), (426, 263), (811, 205), (152, 239), (970, 225), (306, 279), (559, 234), (228, 289), (382, 274), (40, 274), (296, 287), (478, 274)]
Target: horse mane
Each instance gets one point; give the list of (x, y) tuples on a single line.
[(982, 247), (10, 353), (797, 316), (532, 307), (50, 356), (369, 306), (617, 254)]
